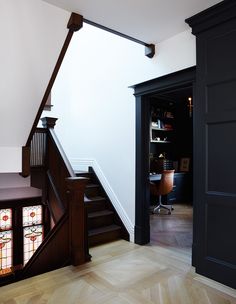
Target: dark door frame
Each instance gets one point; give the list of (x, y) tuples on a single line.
[(142, 92)]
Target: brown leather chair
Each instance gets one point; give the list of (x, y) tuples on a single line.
[(164, 187)]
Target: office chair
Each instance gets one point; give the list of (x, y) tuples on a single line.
[(164, 187)]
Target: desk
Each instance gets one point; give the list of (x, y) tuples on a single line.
[(182, 189), (154, 177)]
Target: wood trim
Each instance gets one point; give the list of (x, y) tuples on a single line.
[(75, 22), (61, 152), (149, 48), (52, 253), (216, 14), (72, 27), (107, 29), (78, 220), (142, 93), (57, 210), (25, 161), (162, 83)]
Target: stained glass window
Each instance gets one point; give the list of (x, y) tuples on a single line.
[(5, 219), (5, 251), (32, 215), (33, 237)]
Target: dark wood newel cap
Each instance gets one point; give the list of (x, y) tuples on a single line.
[(75, 22), (49, 122)]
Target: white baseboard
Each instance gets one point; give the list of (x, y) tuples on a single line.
[(82, 165)]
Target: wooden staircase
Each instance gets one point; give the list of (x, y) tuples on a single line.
[(104, 225)]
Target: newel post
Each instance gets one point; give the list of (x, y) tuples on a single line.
[(49, 122), (78, 220)]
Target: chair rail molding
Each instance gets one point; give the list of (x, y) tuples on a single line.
[(84, 164)]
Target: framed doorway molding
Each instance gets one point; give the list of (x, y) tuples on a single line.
[(142, 92)]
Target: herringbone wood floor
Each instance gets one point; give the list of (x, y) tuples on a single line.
[(122, 273), (175, 230)]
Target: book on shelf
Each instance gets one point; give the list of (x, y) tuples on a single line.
[(168, 114), (168, 127)]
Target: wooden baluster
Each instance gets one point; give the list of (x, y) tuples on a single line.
[(78, 220)]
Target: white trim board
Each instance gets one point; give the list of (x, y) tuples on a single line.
[(83, 164)]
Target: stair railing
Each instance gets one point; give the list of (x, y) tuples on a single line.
[(67, 242), (75, 23)]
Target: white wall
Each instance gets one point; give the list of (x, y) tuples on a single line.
[(96, 109), (32, 35)]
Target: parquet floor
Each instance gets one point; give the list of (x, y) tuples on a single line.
[(122, 273)]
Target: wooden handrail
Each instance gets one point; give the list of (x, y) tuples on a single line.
[(74, 24), (60, 150), (67, 242)]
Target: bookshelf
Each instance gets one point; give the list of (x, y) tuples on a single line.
[(162, 126)]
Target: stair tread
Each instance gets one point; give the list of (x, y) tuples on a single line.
[(8, 194), (80, 171), (94, 199), (83, 173), (92, 186), (100, 213), (103, 230)]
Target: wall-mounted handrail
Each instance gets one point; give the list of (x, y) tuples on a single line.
[(74, 24)]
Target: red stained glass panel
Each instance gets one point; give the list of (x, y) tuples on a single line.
[(32, 215), (5, 219), (5, 250), (33, 237)]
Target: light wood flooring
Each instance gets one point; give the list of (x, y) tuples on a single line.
[(174, 230), (122, 273)]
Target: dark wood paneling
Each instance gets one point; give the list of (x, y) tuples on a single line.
[(52, 253), (25, 161), (221, 96), (220, 235), (55, 204), (220, 156), (215, 154)]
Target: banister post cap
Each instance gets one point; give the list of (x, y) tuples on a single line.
[(49, 122)]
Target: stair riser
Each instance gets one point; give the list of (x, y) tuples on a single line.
[(87, 175), (100, 221), (96, 206), (104, 238), (93, 191)]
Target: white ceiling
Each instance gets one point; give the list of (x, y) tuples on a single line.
[(150, 21)]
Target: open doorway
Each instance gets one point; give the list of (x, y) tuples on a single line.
[(165, 88), (171, 151)]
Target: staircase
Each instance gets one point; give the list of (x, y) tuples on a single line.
[(104, 225)]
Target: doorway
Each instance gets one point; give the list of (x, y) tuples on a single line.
[(143, 93), (171, 148)]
